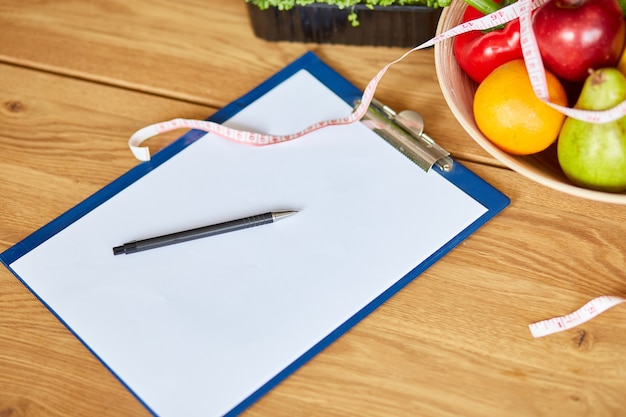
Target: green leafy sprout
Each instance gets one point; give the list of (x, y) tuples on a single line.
[(342, 4)]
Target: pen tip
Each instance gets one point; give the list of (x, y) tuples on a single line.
[(277, 215)]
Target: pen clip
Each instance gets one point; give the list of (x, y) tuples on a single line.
[(404, 131)]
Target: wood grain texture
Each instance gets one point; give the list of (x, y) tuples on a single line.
[(455, 342), (78, 78), (206, 53), (62, 140), (45, 371)]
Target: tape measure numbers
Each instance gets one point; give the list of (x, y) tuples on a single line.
[(585, 313)]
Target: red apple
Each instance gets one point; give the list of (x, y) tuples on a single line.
[(577, 35)]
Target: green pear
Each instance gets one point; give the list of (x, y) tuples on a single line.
[(593, 155)]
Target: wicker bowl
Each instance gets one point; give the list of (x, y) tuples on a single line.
[(458, 90)]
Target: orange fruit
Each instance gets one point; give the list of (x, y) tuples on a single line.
[(510, 115)]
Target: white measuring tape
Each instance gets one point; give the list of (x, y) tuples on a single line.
[(521, 9), (585, 313), (253, 138), (536, 71)]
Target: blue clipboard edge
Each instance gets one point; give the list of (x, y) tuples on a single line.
[(308, 61), (463, 178)]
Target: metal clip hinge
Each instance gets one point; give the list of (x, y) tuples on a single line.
[(405, 132)]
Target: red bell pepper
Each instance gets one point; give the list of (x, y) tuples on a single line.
[(477, 52)]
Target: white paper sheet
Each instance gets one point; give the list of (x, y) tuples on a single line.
[(193, 329)]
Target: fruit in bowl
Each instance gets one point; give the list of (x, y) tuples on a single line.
[(508, 112), (593, 155), (575, 35), (459, 90)]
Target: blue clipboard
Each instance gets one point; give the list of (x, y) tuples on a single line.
[(460, 178)]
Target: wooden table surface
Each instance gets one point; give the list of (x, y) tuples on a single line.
[(77, 78)]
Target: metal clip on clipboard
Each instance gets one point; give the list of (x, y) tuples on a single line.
[(405, 132)]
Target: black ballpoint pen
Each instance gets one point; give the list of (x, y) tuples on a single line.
[(200, 232)]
